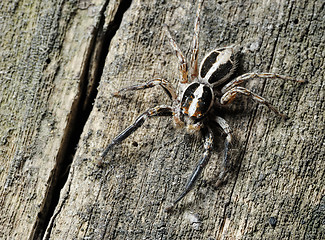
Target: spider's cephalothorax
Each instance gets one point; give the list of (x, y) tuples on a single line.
[(197, 100), (193, 107), (198, 97)]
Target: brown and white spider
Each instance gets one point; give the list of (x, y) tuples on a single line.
[(193, 107)]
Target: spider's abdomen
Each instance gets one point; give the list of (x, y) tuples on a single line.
[(197, 100), (217, 66)]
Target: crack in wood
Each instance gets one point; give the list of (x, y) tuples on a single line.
[(80, 111)]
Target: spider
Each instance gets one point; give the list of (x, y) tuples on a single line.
[(193, 107)]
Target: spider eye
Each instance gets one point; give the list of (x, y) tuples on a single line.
[(217, 66), (197, 100)]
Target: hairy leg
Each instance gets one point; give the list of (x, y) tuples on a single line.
[(200, 165), (156, 111), (168, 88), (181, 59), (226, 128), (230, 95), (248, 76), (195, 44)]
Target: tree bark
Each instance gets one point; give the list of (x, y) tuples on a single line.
[(61, 63)]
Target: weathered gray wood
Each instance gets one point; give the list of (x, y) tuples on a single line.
[(45, 48), (278, 171), (280, 174)]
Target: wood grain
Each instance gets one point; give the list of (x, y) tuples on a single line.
[(62, 61)]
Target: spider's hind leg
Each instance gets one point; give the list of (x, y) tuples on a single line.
[(195, 43), (156, 111), (249, 76), (230, 95), (183, 67)]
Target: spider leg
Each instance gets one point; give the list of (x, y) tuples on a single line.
[(225, 127), (156, 111), (195, 44), (168, 88), (181, 59), (230, 95), (248, 76), (200, 165)]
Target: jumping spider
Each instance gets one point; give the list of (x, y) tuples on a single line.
[(193, 107)]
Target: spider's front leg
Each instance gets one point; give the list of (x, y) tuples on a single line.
[(226, 129), (208, 144), (168, 88), (230, 95), (156, 111)]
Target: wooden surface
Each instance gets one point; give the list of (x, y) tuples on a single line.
[(54, 122)]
